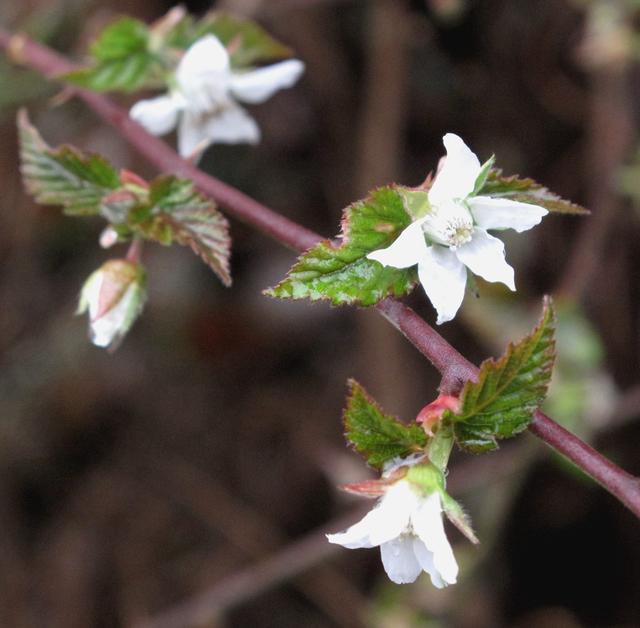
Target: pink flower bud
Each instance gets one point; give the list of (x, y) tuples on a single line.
[(114, 296), (432, 413)]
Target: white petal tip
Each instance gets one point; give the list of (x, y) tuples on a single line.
[(296, 67), (451, 137), (443, 319), (399, 580)]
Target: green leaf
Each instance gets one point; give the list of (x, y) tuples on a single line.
[(341, 272), (63, 176), (122, 60), (248, 43), (179, 213), (376, 436), (526, 191), (501, 403)]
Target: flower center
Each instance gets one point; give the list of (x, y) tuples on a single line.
[(458, 232), (450, 224), (204, 92)]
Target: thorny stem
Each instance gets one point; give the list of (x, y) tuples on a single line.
[(455, 368)]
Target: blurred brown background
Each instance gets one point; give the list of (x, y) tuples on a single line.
[(187, 480)]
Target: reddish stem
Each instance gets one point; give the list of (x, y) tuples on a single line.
[(134, 253), (455, 368)]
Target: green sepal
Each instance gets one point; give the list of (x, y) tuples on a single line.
[(178, 212), (440, 445), (481, 179), (427, 477), (63, 176), (416, 202), (430, 478), (248, 43), (456, 514), (501, 403), (121, 60), (341, 272), (515, 188), (376, 436)]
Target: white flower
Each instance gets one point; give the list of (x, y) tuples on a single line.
[(407, 525), (114, 295), (452, 236), (202, 102)]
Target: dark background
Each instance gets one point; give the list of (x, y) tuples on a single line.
[(201, 458)]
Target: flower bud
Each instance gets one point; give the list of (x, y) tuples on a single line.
[(108, 237), (432, 413), (114, 296)]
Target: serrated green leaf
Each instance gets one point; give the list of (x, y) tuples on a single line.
[(377, 436), (122, 60), (179, 213), (342, 273), (501, 403), (248, 43), (63, 176), (526, 191)]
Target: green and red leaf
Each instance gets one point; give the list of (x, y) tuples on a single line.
[(501, 403), (340, 272), (63, 176), (524, 190), (378, 437)]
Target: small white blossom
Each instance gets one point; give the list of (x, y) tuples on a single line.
[(452, 235), (202, 102), (114, 295), (407, 525)]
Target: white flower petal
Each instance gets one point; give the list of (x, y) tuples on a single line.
[(425, 558), (399, 560), (502, 213), (395, 509), (387, 520), (428, 525), (192, 134), (458, 175), (206, 57), (256, 86), (232, 125), (203, 76), (484, 256), (90, 294), (157, 115), (444, 279), (358, 535), (104, 330), (406, 250)]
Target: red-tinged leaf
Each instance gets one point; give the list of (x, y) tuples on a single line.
[(63, 176), (341, 272), (182, 214), (375, 435), (526, 191), (501, 403)]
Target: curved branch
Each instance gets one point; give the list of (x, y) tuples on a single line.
[(455, 368)]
